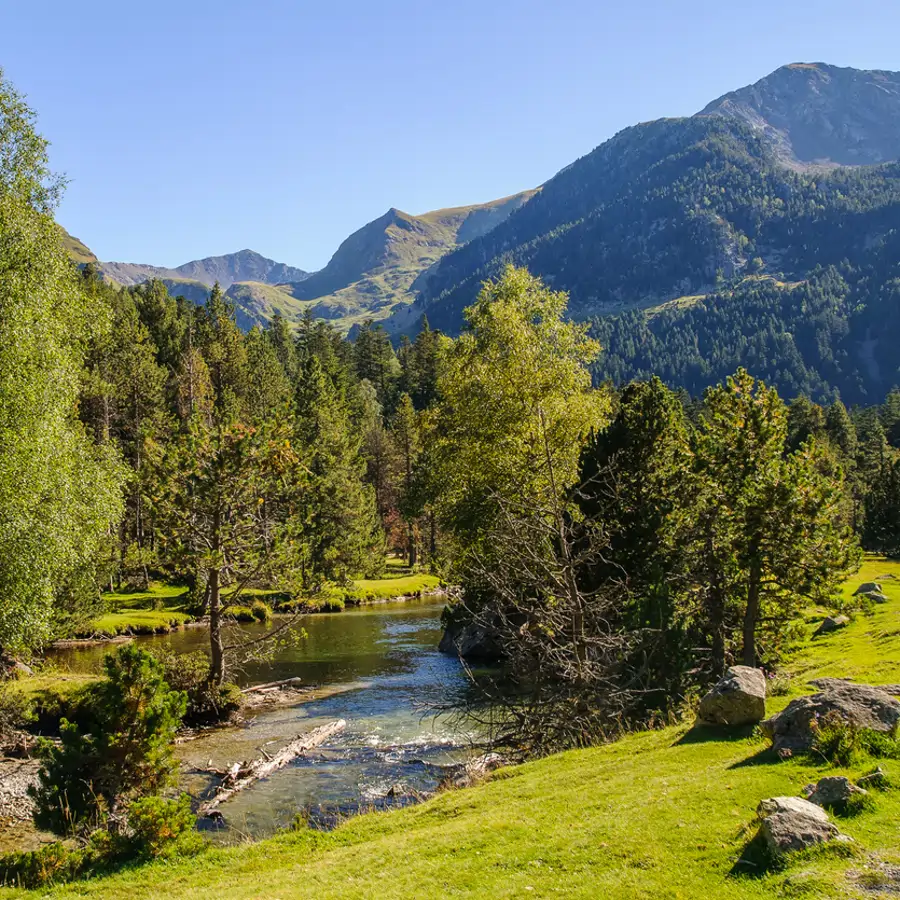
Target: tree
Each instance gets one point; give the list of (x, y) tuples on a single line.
[(125, 752), (405, 432), (340, 509), (639, 489), (775, 531), (59, 494), (515, 392), (230, 511), (882, 525)]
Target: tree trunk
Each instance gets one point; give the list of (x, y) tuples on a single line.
[(411, 538), (216, 644), (751, 614)]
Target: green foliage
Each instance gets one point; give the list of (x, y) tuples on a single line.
[(58, 494), (157, 828), (162, 828), (207, 702), (124, 754), (261, 611), (843, 743), (516, 401)]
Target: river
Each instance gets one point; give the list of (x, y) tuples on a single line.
[(378, 668)]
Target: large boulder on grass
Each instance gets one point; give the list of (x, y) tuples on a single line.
[(868, 587), (737, 699), (859, 704), (790, 824), (832, 623)]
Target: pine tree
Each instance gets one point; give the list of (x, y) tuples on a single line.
[(340, 507)]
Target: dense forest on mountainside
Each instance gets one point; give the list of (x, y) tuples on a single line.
[(667, 229)]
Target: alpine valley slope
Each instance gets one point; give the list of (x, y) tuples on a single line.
[(375, 271), (744, 235)]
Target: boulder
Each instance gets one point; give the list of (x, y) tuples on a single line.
[(861, 704), (790, 805), (788, 832), (868, 587), (471, 641), (833, 791), (737, 699), (832, 623)]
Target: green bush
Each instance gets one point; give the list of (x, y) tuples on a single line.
[(261, 611), (162, 827), (124, 754), (15, 711), (156, 828), (207, 702), (843, 743), (50, 864)]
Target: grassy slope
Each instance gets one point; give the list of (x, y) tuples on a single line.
[(661, 814), (77, 251)]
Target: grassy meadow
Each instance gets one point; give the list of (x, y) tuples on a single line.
[(660, 814)]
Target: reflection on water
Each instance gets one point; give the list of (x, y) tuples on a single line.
[(387, 676)]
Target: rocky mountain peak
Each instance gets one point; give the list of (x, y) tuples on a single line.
[(815, 113)]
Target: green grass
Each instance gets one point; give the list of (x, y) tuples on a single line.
[(662, 814), (133, 612), (137, 621), (367, 590)]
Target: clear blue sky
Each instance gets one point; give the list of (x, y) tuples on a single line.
[(193, 128)]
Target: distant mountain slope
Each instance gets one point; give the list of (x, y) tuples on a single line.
[(379, 267), (78, 251), (245, 265), (669, 225), (817, 113)]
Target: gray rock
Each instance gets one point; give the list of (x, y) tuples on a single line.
[(832, 623), (861, 704), (472, 641), (792, 805), (834, 791), (789, 832), (738, 699), (868, 587), (876, 779)]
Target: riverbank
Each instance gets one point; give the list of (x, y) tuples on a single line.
[(161, 609), (662, 814)]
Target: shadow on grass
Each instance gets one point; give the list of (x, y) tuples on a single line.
[(765, 756), (701, 733), (755, 860)]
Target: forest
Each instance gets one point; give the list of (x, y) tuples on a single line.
[(615, 544)]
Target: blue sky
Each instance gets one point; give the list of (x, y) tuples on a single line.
[(195, 128)]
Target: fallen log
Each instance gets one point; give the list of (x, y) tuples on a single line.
[(273, 685), (241, 776)]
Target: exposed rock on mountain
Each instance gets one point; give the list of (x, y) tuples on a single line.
[(816, 113)]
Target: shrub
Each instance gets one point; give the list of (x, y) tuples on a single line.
[(126, 754), (47, 865), (207, 702), (162, 827), (15, 712), (843, 743), (261, 611)]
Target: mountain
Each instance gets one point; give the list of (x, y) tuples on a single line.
[(245, 265), (375, 272), (816, 113), (379, 268), (77, 251), (705, 240)]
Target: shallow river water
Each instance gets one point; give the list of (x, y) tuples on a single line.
[(379, 669)]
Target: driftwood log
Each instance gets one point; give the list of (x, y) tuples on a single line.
[(242, 775), (273, 686)]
